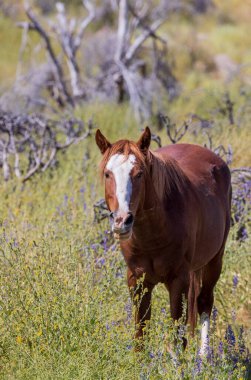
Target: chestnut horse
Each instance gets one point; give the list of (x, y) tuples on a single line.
[(171, 213)]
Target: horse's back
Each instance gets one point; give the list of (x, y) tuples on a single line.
[(202, 166)]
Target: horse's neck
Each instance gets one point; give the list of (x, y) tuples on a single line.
[(152, 231), (163, 194), (165, 182)]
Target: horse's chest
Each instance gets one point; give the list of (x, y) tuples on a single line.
[(156, 268)]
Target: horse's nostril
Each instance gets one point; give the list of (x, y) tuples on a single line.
[(111, 215), (129, 220)]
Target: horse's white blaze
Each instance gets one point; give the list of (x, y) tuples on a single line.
[(121, 168), (205, 323)]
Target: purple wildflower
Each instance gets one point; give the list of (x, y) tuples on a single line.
[(104, 244), (113, 247), (160, 354), (214, 314), (235, 281), (220, 348), (95, 246), (15, 243), (210, 354), (119, 274), (128, 309), (230, 337), (101, 261), (198, 363)]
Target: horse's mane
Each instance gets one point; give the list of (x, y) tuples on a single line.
[(167, 176)]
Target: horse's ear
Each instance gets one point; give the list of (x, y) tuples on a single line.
[(145, 140), (102, 142)]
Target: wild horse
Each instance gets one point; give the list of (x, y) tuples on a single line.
[(171, 214)]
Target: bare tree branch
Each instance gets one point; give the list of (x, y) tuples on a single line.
[(65, 36), (60, 74), (35, 141), (91, 15), (141, 23), (122, 30), (141, 39)]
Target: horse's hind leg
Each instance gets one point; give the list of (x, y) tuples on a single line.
[(210, 275)]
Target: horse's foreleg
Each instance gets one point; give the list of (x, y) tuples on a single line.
[(141, 292), (178, 291)]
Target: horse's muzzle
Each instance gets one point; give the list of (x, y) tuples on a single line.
[(122, 225)]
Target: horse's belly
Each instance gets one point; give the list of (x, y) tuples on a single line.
[(210, 237)]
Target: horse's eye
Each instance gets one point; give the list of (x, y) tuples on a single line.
[(107, 175), (139, 175)]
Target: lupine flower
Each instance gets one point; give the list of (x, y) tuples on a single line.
[(15, 243), (214, 314), (128, 309), (198, 363), (95, 246), (101, 261), (220, 348), (119, 274), (235, 281), (230, 337), (113, 247), (210, 354)]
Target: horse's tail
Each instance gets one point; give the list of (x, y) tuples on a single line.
[(194, 289)]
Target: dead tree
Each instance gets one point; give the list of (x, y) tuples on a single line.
[(29, 143), (127, 73), (130, 67), (69, 34)]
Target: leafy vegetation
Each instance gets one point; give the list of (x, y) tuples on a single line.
[(65, 311)]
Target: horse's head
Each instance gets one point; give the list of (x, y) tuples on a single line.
[(123, 168)]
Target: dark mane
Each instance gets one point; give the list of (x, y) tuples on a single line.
[(168, 178)]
